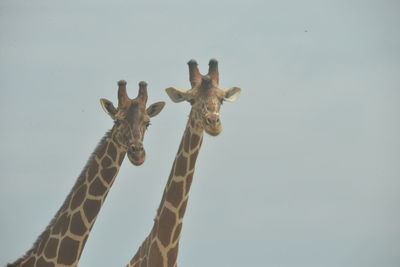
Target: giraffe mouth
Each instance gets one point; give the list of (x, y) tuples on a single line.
[(213, 129), (212, 132), (136, 156)]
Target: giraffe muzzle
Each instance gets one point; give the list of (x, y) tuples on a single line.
[(212, 121), (136, 153), (212, 125), (137, 147)]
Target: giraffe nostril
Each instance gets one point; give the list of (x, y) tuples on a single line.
[(137, 148), (212, 121)]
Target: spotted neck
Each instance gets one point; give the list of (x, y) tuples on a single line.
[(62, 242), (160, 248)]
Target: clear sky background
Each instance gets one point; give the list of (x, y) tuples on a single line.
[(305, 173)]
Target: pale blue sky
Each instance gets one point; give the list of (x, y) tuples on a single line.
[(305, 173)]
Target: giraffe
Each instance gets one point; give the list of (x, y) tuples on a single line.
[(160, 247), (62, 242)]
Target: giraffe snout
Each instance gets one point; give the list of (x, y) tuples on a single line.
[(136, 153), (211, 121), (212, 124), (137, 147)]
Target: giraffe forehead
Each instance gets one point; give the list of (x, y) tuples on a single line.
[(135, 112), (211, 97), (210, 94)]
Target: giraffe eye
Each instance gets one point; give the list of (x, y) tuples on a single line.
[(147, 124), (221, 101), (191, 101)]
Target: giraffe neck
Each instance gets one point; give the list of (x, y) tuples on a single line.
[(62, 242), (160, 248)]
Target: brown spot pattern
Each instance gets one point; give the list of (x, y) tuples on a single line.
[(186, 143), (121, 157), (101, 149), (194, 141), (166, 223), (61, 225), (171, 174), (92, 171), (161, 203), (172, 255), (78, 197), (155, 257), (97, 188), (83, 245), (180, 146), (77, 225), (182, 209), (68, 251), (29, 263), (177, 232), (106, 162), (91, 209), (43, 241), (193, 158), (134, 259), (180, 166), (112, 151), (142, 249), (43, 263), (109, 174), (144, 262), (189, 180), (175, 193), (51, 248)]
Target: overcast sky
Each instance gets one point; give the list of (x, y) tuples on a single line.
[(305, 173)]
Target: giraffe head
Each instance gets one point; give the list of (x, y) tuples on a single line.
[(131, 119), (205, 96)]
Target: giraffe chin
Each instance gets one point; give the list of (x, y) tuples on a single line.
[(137, 158), (213, 131)]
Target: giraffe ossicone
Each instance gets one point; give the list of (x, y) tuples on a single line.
[(160, 248), (62, 242)]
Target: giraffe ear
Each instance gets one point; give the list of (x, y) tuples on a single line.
[(231, 94), (177, 95), (155, 108), (108, 107)]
